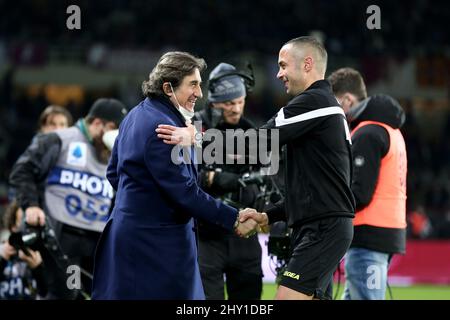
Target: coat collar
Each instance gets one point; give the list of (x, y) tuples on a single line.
[(164, 102)]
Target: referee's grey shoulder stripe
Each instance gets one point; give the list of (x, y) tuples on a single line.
[(281, 121)]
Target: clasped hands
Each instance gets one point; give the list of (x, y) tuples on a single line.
[(250, 221)]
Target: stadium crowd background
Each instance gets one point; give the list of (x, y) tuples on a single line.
[(42, 63)]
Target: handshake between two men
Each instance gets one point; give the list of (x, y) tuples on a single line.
[(250, 222)]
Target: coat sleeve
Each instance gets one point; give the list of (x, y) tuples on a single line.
[(32, 168), (276, 212), (181, 187)]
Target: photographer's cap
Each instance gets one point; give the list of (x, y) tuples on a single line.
[(225, 88), (108, 109)]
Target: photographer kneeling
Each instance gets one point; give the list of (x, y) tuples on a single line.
[(21, 268), (221, 252)]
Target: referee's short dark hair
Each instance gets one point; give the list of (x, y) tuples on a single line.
[(348, 80), (318, 48)]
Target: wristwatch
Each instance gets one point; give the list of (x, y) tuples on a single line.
[(198, 138)]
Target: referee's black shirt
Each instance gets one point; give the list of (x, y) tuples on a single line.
[(318, 165)]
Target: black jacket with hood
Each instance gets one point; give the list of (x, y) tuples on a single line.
[(369, 146)]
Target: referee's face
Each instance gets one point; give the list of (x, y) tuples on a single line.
[(289, 72)]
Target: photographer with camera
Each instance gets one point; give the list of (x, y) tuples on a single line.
[(61, 186), (220, 251), (21, 268)]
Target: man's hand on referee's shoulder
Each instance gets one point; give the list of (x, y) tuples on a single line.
[(185, 136)]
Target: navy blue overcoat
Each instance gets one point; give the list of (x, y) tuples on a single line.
[(148, 249)]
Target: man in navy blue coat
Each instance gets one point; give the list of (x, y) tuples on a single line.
[(148, 248)]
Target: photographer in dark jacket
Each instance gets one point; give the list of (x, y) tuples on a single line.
[(60, 182), (222, 252), (378, 184), (21, 273)]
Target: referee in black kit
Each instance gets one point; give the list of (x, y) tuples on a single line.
[(319, 204)]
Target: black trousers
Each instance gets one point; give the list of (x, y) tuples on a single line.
[(239, 260), (317, 248), (79, 248)]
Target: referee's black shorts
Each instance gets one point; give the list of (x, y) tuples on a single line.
[(317, 248)]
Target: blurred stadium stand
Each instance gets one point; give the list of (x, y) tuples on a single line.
[(42, 62)]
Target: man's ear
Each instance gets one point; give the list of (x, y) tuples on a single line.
[(353, 101), (167, 89), (348, 101), (309, 63)]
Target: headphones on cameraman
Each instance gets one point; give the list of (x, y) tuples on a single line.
[(249, 78)]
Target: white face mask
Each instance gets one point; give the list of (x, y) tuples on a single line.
[(109, 137), (187, 115)]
